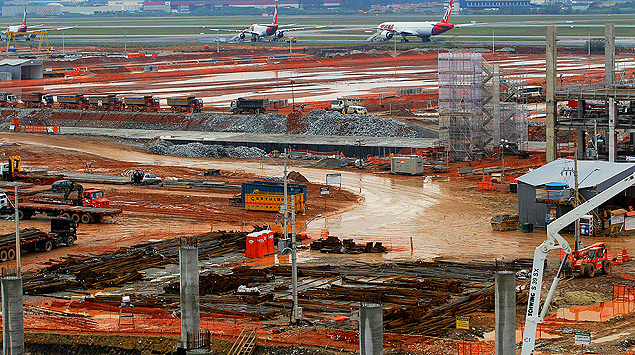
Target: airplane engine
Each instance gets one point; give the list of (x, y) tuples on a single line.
[(386, 35), (33, 35), (279, 34), (241, 36)]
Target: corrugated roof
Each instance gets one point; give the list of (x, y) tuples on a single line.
[(590, 173), (15, 62)]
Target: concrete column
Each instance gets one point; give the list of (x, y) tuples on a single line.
[(612, 138), (505, 310), (12, 316), (550, 94), (581, 143), (371, 328), (190, 312), (609, 54)]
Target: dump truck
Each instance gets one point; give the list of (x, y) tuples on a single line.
[(343, 103), (7, 99), (63, 232), (185, 104), (89, 206), (71, 101), (11, 171), (249, 105), (141, 103), (36, 99), (104, 102)]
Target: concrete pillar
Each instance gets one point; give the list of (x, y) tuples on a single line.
[(609, 54), (371, 328), (611, 140), (190, 312), (581, 143), (505, 309), (550, 94), (12, 316)]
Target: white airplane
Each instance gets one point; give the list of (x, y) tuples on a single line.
[(258, 31), (423, 30), (23, 30)]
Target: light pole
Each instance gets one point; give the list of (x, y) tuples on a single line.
[(296, 310), (292, 97)]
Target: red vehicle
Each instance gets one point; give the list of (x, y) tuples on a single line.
[(588, 261)]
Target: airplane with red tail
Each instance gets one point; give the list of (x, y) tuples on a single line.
[(23, 31), (423, 30)]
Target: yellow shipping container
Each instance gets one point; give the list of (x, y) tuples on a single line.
[(271, 201)]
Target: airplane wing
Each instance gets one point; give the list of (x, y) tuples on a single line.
[(303, 28), (225, 30), (373, 37), (51, 29)]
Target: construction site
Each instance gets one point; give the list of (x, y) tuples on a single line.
[(323, 202)]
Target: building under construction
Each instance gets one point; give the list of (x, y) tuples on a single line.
[(478, 107)]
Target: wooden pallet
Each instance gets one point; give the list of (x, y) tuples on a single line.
[(245, 344)]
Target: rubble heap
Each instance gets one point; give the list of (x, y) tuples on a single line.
[(199, 150)]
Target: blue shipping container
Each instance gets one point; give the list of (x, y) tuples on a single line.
[(272, 186)]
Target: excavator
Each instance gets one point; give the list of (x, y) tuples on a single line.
[(554, 240)]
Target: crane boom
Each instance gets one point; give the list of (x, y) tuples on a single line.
[(556, 241)]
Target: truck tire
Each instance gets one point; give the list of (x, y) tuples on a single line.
[(65, 215), (606, 267), (70, 241), (257, 111), (23, 214), (86, 218), (235, 111), (589, 270), (48, 245), (76, 217), (3, 255), (251, 110), (11, 254)]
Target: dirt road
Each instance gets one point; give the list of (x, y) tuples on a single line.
[(444, 218)]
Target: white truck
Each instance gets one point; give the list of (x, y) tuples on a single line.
[(556, 241), (343, 103)]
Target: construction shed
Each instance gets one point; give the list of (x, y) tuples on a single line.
[(538, 202), (412, 165), (22, 69)]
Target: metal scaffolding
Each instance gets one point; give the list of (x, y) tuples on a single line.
[(478, 106)]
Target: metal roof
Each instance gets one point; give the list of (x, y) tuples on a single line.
[(14, 62), (590, 173)]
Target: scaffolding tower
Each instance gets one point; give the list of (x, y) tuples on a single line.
[(478, 106)]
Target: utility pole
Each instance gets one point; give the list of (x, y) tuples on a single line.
[(577, 201), (17, 234), (285, 228), (295, 313)]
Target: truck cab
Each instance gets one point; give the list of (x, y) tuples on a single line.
[(342, 103), (94, 198), (63, 231)]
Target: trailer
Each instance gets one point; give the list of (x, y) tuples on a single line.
[(141, 103), (11, 171), (243, 105), (412, 165), (185, 104), (343, 103), (63, 232), (36, 99), (104, 102), (271, 201), (271, 186), (71, 101)]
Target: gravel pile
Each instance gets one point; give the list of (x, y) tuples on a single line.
[(199, 150), (336, 124), (261, 123)]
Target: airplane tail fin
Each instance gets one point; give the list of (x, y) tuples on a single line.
[(275, 16), (448, 11), (24, 19)]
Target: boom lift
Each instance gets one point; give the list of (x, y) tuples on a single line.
[(556, 241)]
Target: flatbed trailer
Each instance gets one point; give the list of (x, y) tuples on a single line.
[(79, 214)]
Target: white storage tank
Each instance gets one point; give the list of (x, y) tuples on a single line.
[(412, 165)]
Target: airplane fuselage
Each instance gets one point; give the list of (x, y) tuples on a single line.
[(263, 30), (419, 29)]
